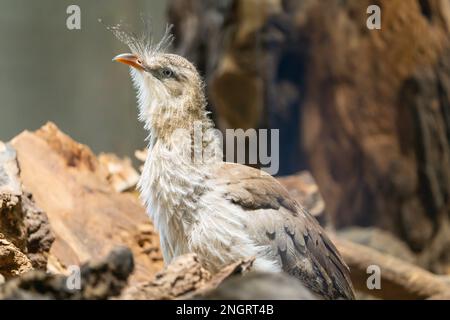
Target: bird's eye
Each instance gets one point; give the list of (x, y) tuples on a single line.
[(167, 73)]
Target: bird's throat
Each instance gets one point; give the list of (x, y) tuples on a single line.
[(175, 175)]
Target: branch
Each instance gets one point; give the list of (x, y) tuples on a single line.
[(399, 279)]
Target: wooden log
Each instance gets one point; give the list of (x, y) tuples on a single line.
[(184, 278), (302, 187), (24, 229), (121, 174), (399, 279), (87, 216)]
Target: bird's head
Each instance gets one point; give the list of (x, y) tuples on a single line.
[(163, 76), (170, 90)]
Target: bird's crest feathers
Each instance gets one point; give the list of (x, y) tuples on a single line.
[(143, 44)]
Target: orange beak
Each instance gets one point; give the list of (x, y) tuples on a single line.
[(130, 59)]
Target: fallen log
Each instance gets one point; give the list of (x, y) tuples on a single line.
[(87, 216), (399, 279), (100, 279), (25, 236)]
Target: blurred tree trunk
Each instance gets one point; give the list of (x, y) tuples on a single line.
[(367, 111)]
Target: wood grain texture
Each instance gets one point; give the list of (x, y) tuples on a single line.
[(399, 279), (25, 235), (86, 215)]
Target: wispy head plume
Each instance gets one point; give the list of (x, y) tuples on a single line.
[(144, 43)]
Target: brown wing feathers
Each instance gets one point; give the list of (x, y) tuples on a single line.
[(303, 249)]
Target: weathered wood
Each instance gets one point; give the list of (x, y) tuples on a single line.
[(12, 216), (121, 174), (380, 240), (13, 262), (399, 279), (87, 216), (184, 278), (374, 119), (24, 229), (184, 275), (99, 279)]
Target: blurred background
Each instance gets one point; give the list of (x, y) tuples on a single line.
[(366, 112), (50, 73)]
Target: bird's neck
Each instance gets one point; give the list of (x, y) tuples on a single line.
[(181, 129), (176, 173)]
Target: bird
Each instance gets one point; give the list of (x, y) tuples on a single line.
[(221, 211)]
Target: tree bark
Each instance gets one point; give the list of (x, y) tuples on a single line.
[(25, 235), (399, 280)]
